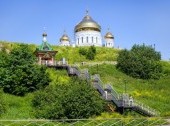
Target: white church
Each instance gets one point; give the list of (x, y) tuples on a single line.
[(88, 33)]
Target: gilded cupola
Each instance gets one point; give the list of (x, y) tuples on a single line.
[(87, 24), (109, 35), (64, 38)]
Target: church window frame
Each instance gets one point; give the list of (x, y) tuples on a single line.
[(82, 39), (78, 40)]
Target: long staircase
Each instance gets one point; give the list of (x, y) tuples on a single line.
[(122, 101)]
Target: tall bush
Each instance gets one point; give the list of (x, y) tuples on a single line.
[(140, 62), (20, 74), (89, 54), (73, 101)]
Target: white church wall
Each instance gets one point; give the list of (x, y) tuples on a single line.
[(88, 38)]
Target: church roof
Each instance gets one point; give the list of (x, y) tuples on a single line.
[(45, 46), (87, 24), (64, 38), (109, 35)]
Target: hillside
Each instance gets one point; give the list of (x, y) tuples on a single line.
[(154, 93), (72, 53)]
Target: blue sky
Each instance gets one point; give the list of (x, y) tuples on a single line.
[(131, 21)]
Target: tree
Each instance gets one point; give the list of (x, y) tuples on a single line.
[(90, 53), (82, 51), (140, 62), (74, 100), (20, 74)]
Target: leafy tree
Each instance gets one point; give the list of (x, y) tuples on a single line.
[(20, 74), (82, 51), (93, 49), (75, 100), (90, 53), (140, 62)]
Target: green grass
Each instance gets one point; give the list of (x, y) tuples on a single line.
[(17, 107), (154, 93), (72, 53), (20, 107), (58, 76)]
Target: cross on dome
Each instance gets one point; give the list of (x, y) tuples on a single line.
[(87, 12)]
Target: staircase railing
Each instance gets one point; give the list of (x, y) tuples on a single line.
[(75, 70), (113, 96), (59, 63), (145, 109), (98, 84), (113, 92), (85, 74), (82, 73), (120, 100)]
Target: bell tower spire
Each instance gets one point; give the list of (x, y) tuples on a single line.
[(44, 35)]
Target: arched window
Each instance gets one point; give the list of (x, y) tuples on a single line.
[(96, 39), (78, 41), (87, 39), (82, 39)]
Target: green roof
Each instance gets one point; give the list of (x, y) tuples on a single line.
[(45, 46)]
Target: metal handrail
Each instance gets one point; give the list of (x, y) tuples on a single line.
[(117, 98), (145, 108), (113, 92), (99, 82)]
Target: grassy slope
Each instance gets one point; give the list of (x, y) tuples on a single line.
[(154, 93), (20, 107), (72, 54), (17, 107)]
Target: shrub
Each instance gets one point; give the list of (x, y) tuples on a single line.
[(140, 62), (166, 67), (82, 51), (20, 74), (76, 100), (90, 53)]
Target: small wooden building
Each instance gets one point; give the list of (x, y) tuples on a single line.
[(44, 53)]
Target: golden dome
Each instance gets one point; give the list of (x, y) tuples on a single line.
[(64, 38), (87, 24), (109, 35)]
